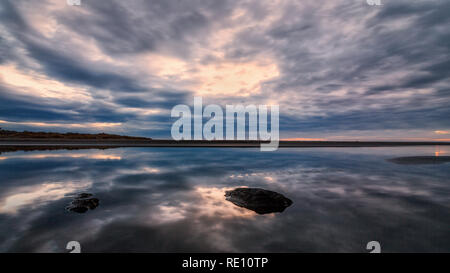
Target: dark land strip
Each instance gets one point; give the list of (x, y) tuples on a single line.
[(29, 144)]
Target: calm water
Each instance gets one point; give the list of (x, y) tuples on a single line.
[(172, 200)]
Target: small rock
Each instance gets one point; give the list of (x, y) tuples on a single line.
[(259, 200), (82, 203)]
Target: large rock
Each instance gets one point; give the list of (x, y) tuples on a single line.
[(259, 200), (82, 203)]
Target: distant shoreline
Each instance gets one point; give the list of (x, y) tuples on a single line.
[(10, 139), (14, 145), (204, 143)]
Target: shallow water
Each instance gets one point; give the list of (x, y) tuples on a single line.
[(172, 200)]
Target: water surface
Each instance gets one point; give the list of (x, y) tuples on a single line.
[(172, 200)]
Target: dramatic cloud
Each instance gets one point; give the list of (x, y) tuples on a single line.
[(338, 69)]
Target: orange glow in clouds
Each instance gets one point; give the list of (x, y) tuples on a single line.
[(40, 85), (215, 79), (239, 79), (98, 125)]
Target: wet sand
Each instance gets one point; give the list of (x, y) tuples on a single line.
[(418, 160)]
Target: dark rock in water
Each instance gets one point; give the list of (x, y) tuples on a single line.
[(259, 200), (416, 160), (82, 203)]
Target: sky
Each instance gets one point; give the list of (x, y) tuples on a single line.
[(339, 70)]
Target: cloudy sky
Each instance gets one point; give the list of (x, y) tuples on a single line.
[(337, 69)]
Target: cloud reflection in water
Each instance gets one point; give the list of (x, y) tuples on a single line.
[(172, 200)]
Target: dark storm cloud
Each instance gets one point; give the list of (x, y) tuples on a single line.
[(117, 31), (343, 64), (379, 47), (19, 107), (385, 119), (68, 69), (23, 108), (318, 57), (63, 67), (4, 49), (11, 17), (138, 26), (165, 99)]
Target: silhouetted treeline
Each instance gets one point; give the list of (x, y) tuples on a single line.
[(69, 135)]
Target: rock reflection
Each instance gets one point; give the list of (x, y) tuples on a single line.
[(259, 200), (82, 203), (416, 160)]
